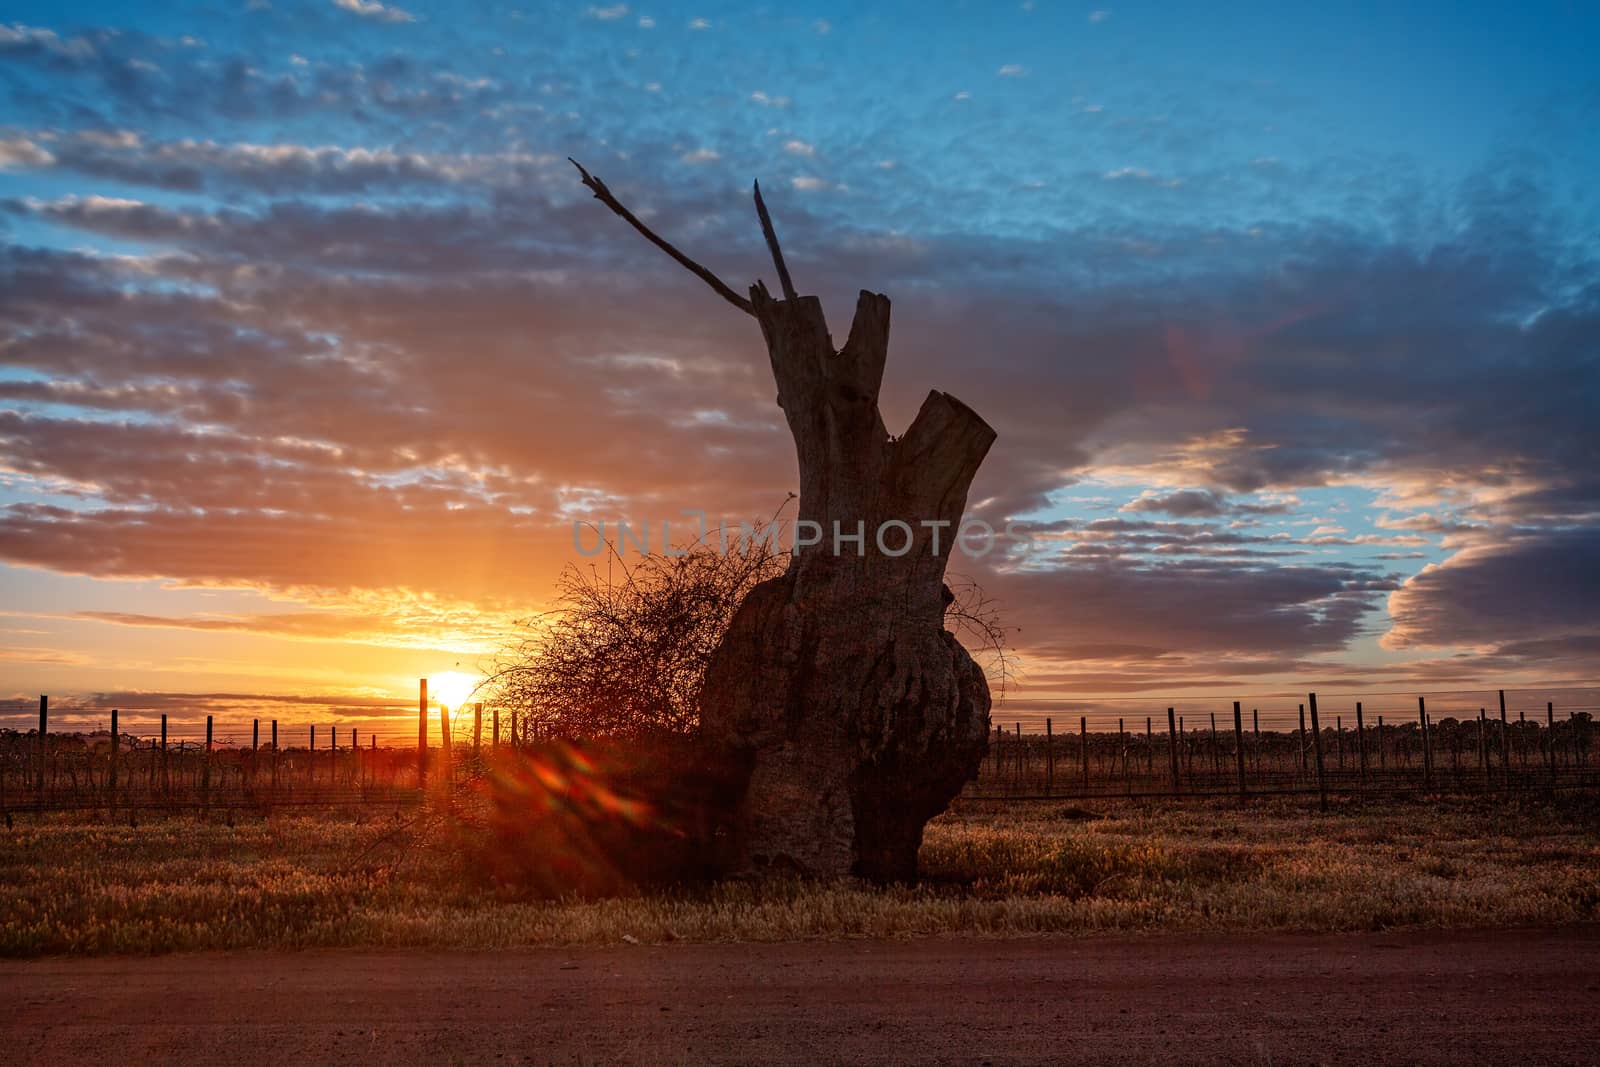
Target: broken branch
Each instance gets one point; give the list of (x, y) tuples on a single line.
[(772, 245), (602, 194)]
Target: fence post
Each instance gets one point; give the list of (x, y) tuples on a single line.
[(1361, 744), (1483, 745), (1049, 757), (1083, 743), (477, 727), (274, 755), (311, 757), (1216, 757), (1021, 755), (1238, 748), (1172, 748), (1122, 743), (1302, 737), (422, 734), (1316, 744), (44, 744), (1427, 750), (166, 775), (115, 744), (1505, 744), (1149, 749), (205, 773), (1255, 719), (1550, 738), (494, 738)]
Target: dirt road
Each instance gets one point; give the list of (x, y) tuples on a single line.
[(1441, 998)]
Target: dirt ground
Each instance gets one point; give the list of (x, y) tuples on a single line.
[(1508, 996)]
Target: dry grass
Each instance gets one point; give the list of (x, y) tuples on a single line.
[(68, 885)]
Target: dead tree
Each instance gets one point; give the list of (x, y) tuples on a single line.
[(856, 716)]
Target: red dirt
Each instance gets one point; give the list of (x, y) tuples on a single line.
[(1507, 996)]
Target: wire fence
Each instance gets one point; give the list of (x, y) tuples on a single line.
[(1506, 743), (1374, 745), (150, 763)]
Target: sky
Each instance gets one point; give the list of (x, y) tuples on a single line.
[(312, 348)]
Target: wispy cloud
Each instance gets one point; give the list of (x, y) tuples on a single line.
[(372, 9)]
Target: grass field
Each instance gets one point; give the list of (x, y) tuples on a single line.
[(69, 884)]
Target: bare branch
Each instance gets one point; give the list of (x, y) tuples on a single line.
[(772, 245), (602, 194)]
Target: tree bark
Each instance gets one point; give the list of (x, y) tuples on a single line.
[(857, 715)]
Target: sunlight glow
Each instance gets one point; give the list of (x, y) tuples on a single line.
[(452, 688)]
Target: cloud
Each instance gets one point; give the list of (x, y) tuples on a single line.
[(1012, 70), (19, 152), (701, 155), (699, 24), (799, 148), (608, 14), (1186, 503), (371, 9), (1097, 17), (1535, 591)]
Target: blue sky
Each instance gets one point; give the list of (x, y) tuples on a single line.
[(1287, 321)]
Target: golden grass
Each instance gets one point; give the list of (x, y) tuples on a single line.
[(70, 885)]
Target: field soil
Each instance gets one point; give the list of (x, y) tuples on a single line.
[(1423, 997)]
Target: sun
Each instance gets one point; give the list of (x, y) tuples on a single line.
[(452, 688)]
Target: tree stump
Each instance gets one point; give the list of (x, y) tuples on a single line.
[(856, 713)]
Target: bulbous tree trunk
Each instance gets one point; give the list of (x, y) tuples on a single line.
[(857, 714)]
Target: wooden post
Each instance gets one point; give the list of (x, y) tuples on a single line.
[(494, 742), (1172, 747), (422, 733), (1122, 744), (1255, 718), (44, 745), (1427, 750), (116, 743), (1020, 754), (1483, 744), (446, 760), (1361, 744), (1149, 748), (166, 775), (1381, 757), (1522, 736), (1505, 742), (1550, 737), (1238, 748), (1083, 743), (1049, 757), (274, 755), (1302, 737), (311, 756), (477, 728), (1316, 744), (205, 773)]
